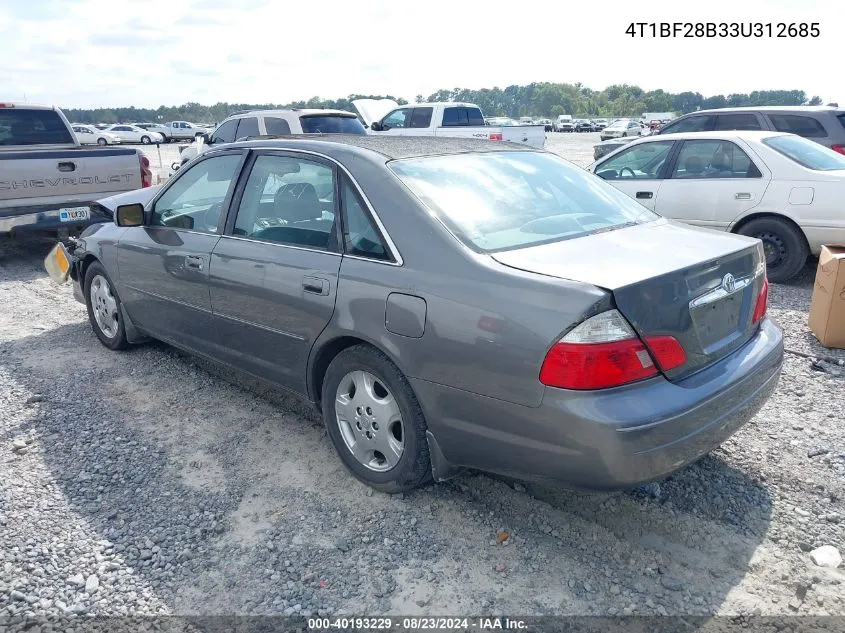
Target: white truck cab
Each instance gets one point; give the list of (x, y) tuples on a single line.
[(450, 119)]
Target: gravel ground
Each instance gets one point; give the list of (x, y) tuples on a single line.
[(146, 482)]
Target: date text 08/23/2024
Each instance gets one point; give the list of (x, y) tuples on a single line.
[(417, 623), (724, 29)]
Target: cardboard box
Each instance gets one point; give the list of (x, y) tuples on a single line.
[(827, 307)]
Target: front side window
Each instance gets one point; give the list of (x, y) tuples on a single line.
[(700, 123), (395, 119), (738, 121), (195, 200), (641, 162), (331, 124), (713, 159), (421, 117), (804, 126), (247, 127), (503, 200), (360, 236), (276, 126), (288, 201), (225, 133), (809, 154)]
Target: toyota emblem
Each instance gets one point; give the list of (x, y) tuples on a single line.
[(729, 283)]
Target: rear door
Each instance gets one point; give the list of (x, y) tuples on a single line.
[(163, 266), (274, 272), (711, 182), (638, 171)]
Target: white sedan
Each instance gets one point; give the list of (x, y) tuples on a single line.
[(135, 134), (780, 188), (89, 135)]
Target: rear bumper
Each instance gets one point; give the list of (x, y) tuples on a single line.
[(47, 219), (610, 440)]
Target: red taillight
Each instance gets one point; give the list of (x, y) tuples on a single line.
[(7, 105), (838, 148), (146, 172), (495, 136), (668, 353), (596, 365), (601, 352), (762, 302)]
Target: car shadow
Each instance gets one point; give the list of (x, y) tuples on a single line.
[(23, 257), (178, 496)]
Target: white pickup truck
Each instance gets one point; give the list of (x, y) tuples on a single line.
[(465, 120), (49, 182)]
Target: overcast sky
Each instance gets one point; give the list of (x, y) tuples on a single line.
[(89, 53)]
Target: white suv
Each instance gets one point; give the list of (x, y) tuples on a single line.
[(256, 123)]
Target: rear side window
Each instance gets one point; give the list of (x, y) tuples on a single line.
[(739, 121), (331, 124), (807, 153), (692, 124), (32, 127), (713, 159), (462, 117), (276, 126), (841, 118), (420, 117), (804, 126), (247, 127), (360, 236)]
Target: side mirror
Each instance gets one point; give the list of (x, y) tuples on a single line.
[(376, 126), (129, 215)]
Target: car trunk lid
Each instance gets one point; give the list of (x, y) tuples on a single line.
[(697, 285)]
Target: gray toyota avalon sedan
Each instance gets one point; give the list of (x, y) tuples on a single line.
[(445, 303)]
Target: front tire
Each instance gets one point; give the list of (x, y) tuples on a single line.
[(103, 305), (784, 244), (145, 140), (375, 421), (102, 142)]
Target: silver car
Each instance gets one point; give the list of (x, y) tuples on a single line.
[(446, 303)]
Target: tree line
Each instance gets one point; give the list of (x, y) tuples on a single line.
[(536, 99)]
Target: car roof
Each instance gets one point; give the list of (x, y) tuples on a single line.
[(804, 109), (391, 147), (751, 135), (22, 105), (296, 111)]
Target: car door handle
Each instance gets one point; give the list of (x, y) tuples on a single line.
[(647, 195), (194, 261), (315, 285), (67, 166), (742, 196)]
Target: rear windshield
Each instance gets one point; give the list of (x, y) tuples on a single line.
[(504, 200), (807, 153), (328, 124), (32, 127)]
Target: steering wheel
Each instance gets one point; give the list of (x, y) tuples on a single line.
[(622, 171)]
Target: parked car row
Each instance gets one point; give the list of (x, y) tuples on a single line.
[(146, 133)]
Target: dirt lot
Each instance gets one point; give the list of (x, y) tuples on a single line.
[(146, 482)]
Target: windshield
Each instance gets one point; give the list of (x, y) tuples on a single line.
[(618, 124), (807, 153), (504, 200), (331, 124)]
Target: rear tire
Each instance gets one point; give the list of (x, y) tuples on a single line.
[(785, 247), (360, 432), (104, 308)]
